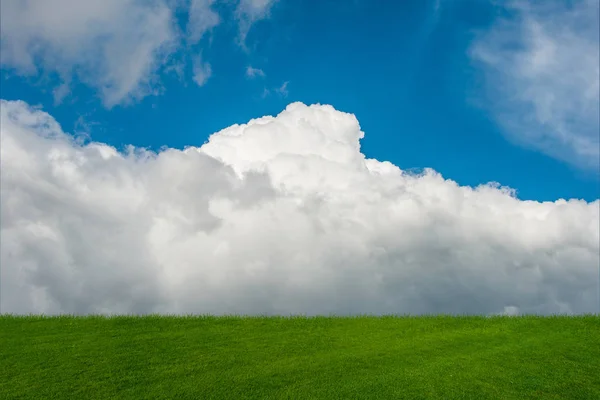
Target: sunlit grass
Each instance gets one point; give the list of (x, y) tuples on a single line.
[(366, 357)]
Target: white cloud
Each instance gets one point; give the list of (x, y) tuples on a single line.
[(202, 71), (248, 12), (254, 72), (283, 90), (281, 215), (115, 46), (202, 18), (543, 70)]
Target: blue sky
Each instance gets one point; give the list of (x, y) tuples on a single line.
[(405, 69)]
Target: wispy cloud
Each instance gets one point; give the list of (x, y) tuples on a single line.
[(201, 19), (283, 90), (248, 12), (201, 70), (254, 72), (114, 46), (117, 47), (543, 72)]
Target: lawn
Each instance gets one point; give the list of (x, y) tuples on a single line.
[(168, 357)]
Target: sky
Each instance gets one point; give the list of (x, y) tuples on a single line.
[(314, 157)]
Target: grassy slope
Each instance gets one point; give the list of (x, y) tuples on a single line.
[(300, 358)]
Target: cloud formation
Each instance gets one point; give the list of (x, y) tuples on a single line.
[(543, 70), (119, 48), (201, 70), (283, 90), (280, 215), (254, 72), (114, 46), (249, 12), (201, 19)]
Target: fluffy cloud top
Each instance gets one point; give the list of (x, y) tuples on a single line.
[(280, 215), (544, 76)]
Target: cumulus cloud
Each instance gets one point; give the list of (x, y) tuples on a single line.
[(115, 46), (543, 70), (280, 215)]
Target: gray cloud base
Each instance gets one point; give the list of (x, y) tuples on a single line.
[(282, 215)]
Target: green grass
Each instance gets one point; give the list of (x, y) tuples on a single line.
[(436, 357)]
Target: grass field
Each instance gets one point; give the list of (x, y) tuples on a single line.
[(436, 357)]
